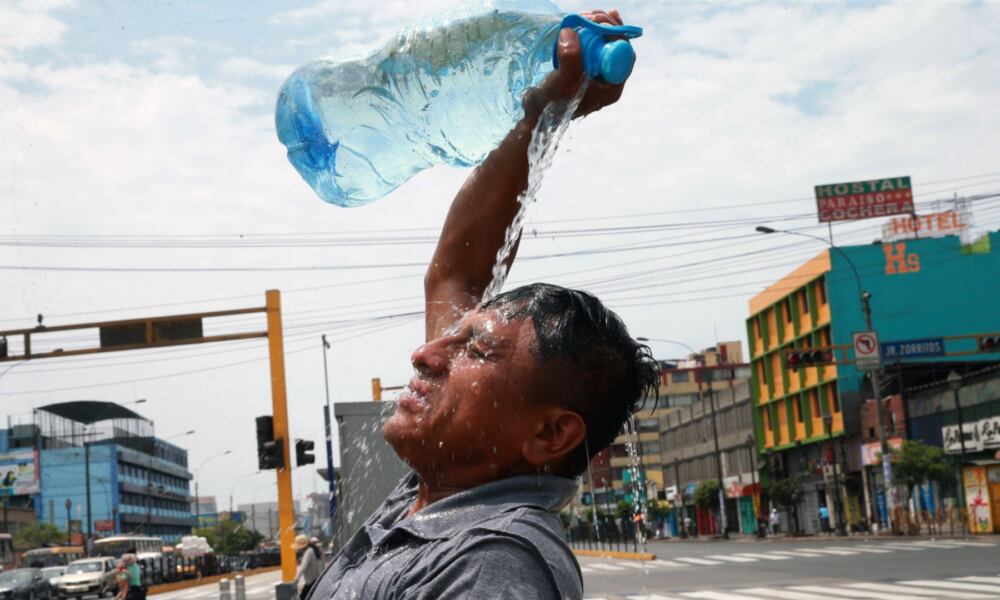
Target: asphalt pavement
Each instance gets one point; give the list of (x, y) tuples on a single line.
[(895, 569)]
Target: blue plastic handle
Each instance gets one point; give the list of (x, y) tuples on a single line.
[(609, 61)]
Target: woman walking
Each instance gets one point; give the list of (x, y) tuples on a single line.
[(310, 564)]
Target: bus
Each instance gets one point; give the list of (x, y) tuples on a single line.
[(6, 551), (120, 544), (55, 556)]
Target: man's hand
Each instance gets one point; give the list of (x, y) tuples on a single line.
[(474, 230), (564, 82)]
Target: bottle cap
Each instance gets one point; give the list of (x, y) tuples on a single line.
[(617, 58)]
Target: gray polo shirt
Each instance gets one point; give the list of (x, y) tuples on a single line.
[(499, 540)]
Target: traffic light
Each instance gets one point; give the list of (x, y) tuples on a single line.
[(303, 452), (270, 451), (3, 347), (988, 343), (808, 357)]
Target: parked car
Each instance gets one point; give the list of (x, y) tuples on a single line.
[(88, 576), (52, 575), (24, 584)]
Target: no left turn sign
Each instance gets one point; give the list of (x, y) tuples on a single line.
[(867, 353)]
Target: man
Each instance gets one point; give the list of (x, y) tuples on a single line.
[(511, 398)]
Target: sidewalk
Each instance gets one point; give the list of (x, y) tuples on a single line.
[(822, 537)]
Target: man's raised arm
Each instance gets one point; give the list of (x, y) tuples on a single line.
[(474, 230)]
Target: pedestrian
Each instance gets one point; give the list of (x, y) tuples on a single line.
[(310, 564), (121, 578), (136, 591), (775, 521), (513, 395), (824, 518)]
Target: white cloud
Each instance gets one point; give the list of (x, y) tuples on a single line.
[(28, 25)]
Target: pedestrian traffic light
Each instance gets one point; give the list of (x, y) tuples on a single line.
[(303, 452), (988, 343), (270, 451), (809, 357)]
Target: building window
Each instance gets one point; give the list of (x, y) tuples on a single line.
[(647, 425), (832, 400), (679, 377), (798, 409), (804, 300), (788, 309), (821, 290)]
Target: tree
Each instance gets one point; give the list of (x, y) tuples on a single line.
[(787, 493), (623, 510), (706, 495), (229, 537), (658, 509), (38, 535), (916, 462)]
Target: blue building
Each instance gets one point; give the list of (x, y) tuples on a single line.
[(138, 483), (936, 292)]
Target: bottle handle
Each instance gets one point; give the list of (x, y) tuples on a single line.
[(598, 30)]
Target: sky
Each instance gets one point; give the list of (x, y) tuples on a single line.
[(140, 175)]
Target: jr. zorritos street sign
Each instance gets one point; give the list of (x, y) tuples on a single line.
[(864, 199)]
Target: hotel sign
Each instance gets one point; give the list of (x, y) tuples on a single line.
[(864, 199)]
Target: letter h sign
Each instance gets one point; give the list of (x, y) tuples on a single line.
[(897, 261)]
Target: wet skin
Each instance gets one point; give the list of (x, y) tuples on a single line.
[(475, 410)]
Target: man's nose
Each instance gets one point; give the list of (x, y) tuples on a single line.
[(432, 357)]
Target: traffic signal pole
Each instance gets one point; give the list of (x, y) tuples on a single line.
[(883, 435), (279, 403)]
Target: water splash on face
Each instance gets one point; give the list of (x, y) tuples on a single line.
[(545, 139)]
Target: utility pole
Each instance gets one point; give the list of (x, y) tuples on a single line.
[(86, 476), (328, 420), (955, 383), (718, 462), (890, 500)]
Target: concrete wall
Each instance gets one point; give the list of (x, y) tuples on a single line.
[(369, 466)]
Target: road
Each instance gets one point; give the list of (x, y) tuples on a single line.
[(793, 570), (801, 570)]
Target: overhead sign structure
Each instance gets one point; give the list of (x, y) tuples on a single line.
[(913, 349), (857, 200), (867, 355)]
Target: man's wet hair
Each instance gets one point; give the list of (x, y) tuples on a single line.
[(606, 376)]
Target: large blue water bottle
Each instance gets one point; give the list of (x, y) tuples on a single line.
[(446, 90)]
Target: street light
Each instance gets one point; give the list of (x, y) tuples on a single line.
[(328, 420), (838, 505), (197, 498), (699, 372), (866, 311), (955, 384), (233, 488)]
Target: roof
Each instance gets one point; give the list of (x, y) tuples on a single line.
[(90, 411)]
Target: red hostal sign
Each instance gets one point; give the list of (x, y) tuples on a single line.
[(864, 199)]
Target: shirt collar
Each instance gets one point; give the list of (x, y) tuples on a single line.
[(446, 517)]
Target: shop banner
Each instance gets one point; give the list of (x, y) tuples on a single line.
[(977, 499), (18, 473)]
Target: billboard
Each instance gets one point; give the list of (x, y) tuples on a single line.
[(912, 226), (870, 199), (18, 473)]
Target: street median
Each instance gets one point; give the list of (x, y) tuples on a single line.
[(189, 583), (615, 554)]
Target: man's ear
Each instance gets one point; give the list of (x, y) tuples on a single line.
[(559, 433)]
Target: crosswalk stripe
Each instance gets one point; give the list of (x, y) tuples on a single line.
[(699, 561), (721, 596), (899, 546), (731, 558), (587, 570), (787, 594), (833, 551), (667, 563), (768, 556), (258, 589), (936, 544), (841, 593), (650, 597), (873, 550), (954, 585), (631, 565), (797, 554), (605, 567), (978, 579), (910, 591), (972, 544)]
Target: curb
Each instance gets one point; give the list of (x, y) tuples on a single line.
[(189, 583), (614, 554)]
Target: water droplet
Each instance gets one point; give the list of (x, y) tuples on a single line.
[(440, 444)]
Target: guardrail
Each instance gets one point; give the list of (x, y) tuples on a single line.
[(169, 569), (610, 536)]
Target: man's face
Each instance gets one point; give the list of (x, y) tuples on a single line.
[(470, 405)]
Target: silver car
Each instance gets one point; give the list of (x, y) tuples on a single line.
[(88, 576)]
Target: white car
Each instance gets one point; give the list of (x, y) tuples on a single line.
[(88, 576)]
